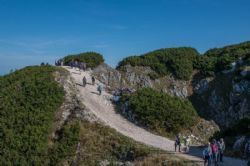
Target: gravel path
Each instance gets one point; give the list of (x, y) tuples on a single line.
[(103, 109)]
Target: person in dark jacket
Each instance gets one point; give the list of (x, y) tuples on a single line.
[(93, 80), (84, 81), (177, 143)]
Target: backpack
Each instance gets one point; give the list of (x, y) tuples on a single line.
[(206, 152), (214, 148)]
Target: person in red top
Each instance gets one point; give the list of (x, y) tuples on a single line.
[(215, 151)]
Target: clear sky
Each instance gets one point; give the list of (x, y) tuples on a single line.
[(35, 31)]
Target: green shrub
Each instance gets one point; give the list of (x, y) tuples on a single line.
[(159, 111), (178, 61), (92, 59), (28, 101)]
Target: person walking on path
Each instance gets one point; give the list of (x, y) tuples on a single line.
[(99, 89), (215, 151), (93, 80), (187, 142), (84, 81), (207, 155), (222, 148), (177, 143)]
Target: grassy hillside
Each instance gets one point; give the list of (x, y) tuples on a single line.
[(183, 60), (161, 112), (92, 59), (28, 101), (178, 61)]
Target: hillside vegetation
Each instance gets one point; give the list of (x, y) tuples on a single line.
[(181, 61), (178, 61), (160, 112), (92, 59), (28, 101)]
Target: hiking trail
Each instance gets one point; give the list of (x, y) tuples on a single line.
[(102, 107)]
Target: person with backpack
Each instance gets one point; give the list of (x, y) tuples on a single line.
[(222, 147), (93, 80), (84, 81), (215, 151), (99, 89), (207, 155), (177, 143)]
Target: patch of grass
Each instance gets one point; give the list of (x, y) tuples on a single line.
[(65, 148), (99, 143)]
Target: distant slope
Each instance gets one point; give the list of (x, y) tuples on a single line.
[(182, 61)]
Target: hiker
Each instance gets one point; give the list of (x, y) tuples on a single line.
[(93, 80), (215, 151), (207, 155), (99, 89), (56, 63), (222, 147), (84, 81), (177, 143), (187, 142)]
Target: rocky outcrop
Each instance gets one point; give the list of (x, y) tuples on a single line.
[(108, 76), (224, 98), (138, 77)]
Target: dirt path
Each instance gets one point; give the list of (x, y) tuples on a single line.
[(103, 109)]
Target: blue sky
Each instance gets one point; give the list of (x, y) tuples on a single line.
[(35, 31)]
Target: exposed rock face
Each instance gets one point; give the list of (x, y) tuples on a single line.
[(137, 77), (225, 99), (108, 75), (202, 86)]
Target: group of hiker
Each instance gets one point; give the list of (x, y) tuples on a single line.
[(214, 151), (212, 154), (177, 144), (78, 65), (59, 62), (99, 87)]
